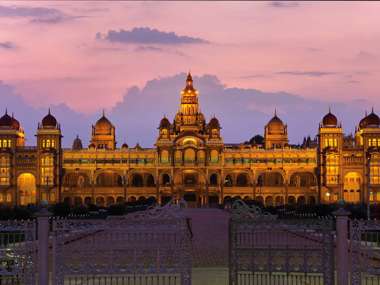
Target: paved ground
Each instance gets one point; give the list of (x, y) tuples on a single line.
[(210, 237)]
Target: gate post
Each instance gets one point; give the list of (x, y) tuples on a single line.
[(342, 246), (43, 245)]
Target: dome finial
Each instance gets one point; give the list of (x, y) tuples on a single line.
[(49, 111), (372, 110), (6, 111), (330, 109), (103, 113), (365, 113), (275, 112), (189, 79)]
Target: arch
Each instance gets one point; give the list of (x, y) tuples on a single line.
[(279, 201), (260, 200), (228, 182), (77, 201), (120, 200), (214, 156), (165, 179), (137, 180), (87, 200), (302, 179), (269, 201), (76, 179), (242, 180), (301, 200), (164, 156), (100, 201), (270, 179), (312, 200), (132, 199), (141, 199), (189, 155), (149, 181), (151, 200), (110, 201), (214, 179), (109, 179), (26, 186), (352, 187), (291, 200)]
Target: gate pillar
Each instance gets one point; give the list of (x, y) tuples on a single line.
[(43, 246), (342, 246)]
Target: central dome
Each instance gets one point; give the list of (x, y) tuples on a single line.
[(371, 120), (103, 126), (275, 125)]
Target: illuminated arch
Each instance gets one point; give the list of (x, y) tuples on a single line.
[(352, 187), (26, 185)]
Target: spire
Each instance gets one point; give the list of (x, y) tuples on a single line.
[(103, 113), (329, 109), (189, 79), (372, 110), (275, 112), (6, 111), (49, 111)]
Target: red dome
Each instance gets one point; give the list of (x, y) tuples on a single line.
[(371, 120), (9, 122), (330, 120), (49, 121)]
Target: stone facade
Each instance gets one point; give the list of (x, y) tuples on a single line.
[(190, 160)]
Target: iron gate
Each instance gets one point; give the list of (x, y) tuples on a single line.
[(151, 247), (18, 252), (268, 250), (365, 252)]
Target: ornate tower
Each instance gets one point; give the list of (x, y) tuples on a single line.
[(275, 133), (103, 134), (189, 117), (330, 147), (49, 159)]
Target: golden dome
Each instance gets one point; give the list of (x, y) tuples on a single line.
[(103, 126), (49, 121), (275, 125)]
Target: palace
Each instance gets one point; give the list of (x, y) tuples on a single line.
[(190, 160)]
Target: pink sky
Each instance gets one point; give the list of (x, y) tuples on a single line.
[(319, 50)]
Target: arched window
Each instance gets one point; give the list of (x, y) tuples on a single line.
[(228, 181), (164, 156), (137, 180), (214, 179), (242, 180), (271, 179), (189, 155), (150, 181), (214, 156), (165, 179), (190, 179), (108, 179)]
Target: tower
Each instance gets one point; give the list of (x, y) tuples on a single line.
[(275, 133), (330, 147), (49, 159), (103, 134), (189, 117)]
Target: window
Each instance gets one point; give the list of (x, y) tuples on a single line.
[(332, 169), (374, 173), (47, 170), (4, 170), (5, 143)]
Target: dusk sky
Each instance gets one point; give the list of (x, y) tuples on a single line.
[(131, 58)]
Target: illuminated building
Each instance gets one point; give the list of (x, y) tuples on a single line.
[(190, 160)]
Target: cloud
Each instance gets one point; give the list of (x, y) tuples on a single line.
[(37, 14), (365, 56), (283, 4), (7, 45), (145, 35), (241, 112), (307, 73)]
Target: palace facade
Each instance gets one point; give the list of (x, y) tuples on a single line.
[(190, 160)]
